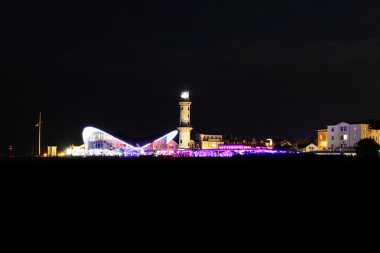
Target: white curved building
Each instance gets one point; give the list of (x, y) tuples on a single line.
[(99, 142)]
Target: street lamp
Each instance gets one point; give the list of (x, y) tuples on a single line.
[(39, 134)]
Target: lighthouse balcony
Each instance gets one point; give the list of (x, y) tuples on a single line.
[(184, 124)]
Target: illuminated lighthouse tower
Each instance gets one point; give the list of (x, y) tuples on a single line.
[(184, 127)]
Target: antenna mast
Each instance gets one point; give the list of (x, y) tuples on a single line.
[(39, 135)]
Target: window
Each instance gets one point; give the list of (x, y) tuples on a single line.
[(180, 141), (341, 128), (188, 115), (345, 128), (321, 137), (332, 129), (332, 138), (181, 108), (341, 137), (355, 128), (355, 137)]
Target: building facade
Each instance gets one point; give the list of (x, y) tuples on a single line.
[(322, 139), (209, 141), (311, 147), (99, 142), (347, 135)]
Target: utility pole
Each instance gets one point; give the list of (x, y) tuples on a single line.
[(39, 134)]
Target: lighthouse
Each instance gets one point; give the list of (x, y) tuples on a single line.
[(184, 127)]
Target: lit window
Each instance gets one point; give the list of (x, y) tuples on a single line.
[(320, 137), (355, 129), (345, 137)]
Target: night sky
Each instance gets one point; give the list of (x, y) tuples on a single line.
[(279, 69)]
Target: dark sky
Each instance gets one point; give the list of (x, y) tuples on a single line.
[(279, 69)]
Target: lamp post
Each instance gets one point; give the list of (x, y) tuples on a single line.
[(39, 134)]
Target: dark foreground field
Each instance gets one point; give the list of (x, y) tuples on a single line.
[(155, 173), (205, 197)]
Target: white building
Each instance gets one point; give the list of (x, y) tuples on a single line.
[(347, 135), (210, 141), (311, 147)]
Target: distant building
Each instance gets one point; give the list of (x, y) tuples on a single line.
[(99, 142), (269, 143), (307, 147), (311, 147), (51, 151), (76, 150), (209, 141), (322, 139), (346, 135)]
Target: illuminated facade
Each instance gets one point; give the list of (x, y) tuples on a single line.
[(210, 141), (184, 127), (322, 139), (311, 147), (346, 136), (98, 142)]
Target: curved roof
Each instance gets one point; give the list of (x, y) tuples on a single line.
[(130, 142)]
